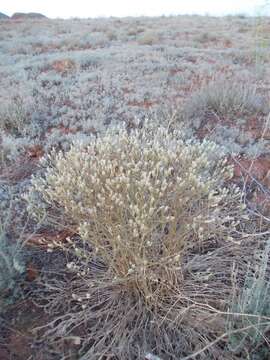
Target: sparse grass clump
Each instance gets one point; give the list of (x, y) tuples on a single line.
[(224, 99), (14, 116), (159, 235)]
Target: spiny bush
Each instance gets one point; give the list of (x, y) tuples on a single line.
[(159, 232)]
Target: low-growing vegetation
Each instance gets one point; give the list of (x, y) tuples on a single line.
[(124, 237), (226, 99)]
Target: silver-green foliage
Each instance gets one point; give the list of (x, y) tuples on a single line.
[(12, 263), (11, 268), (253, 307)]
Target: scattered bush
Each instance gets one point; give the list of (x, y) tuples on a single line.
[(225, 98), (11, 147), (14, 116), (236, 141)]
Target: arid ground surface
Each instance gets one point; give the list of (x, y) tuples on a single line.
[(63, 81)]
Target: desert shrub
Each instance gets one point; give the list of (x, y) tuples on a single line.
[(125, 193), (159, 234), (221, 103), (224, 98), (235, 141), (19, 114), (14, 116)]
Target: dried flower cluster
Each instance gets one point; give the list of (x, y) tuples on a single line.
[(141, 200)]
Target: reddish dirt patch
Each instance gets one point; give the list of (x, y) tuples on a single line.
[(63, 66), (145, 104), (21, 170), (19, 345), (46, 238), (66, 130), (258, 128), (262, 201), (227, 43), (257, 173), (250, 169), (63, 129), (4, 353), (19, 338), (175, 71), (126, 90), (24, 166), (35, 152), (31, 272)]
